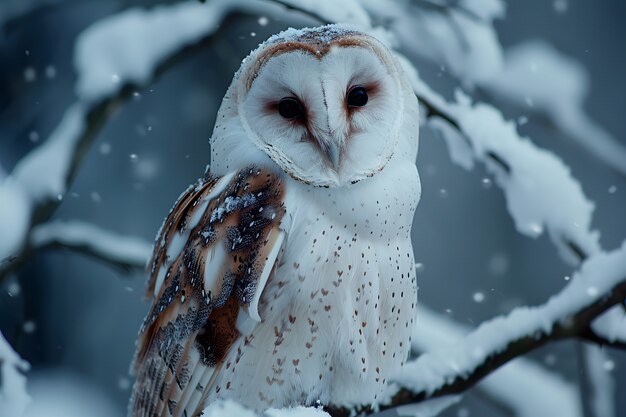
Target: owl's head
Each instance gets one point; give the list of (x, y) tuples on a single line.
[(328, 105)]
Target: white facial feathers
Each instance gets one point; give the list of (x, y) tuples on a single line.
[(328, 134)]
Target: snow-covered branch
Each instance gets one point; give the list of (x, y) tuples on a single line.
[(540, 192), (230, 408), (538, 199), (113, 58), (459, 37), (39, 181), (540, 81), (433, 332), (599, 285), (13, 396), (610, 329), (124, 252)]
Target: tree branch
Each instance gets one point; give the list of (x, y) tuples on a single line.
[(126, 253), (39, 195), (433, 332), (590, 335)]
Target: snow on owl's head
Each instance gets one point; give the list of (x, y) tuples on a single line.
[(325, 104)]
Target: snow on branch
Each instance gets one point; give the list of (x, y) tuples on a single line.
[(458, 37), (554, 396), (540, 192), (229, 408), (39, 181), (533, 76), (610, 328), (13, 396), (597, 286), (130, 47), (124, 252), (540, 80), (113, 58)]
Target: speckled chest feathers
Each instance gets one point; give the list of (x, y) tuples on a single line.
[(286, 275)]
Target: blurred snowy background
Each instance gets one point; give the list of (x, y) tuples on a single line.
[(75, 319)]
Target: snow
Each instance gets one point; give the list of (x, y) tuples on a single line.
[(458, 148), (99, 242), (555, 396), (127, 47), (227, 408), (612, 324), (603, 271), (451, 37), (13, 396), (297, 412), (232, 204), (61, 394), (428, 408), (557, 87), (55, 155), (551, 394), (15, 211), (28, 187), (540, 192)]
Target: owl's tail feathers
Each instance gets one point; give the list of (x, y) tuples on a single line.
[(197, 401), (187, 399), (179, 391)]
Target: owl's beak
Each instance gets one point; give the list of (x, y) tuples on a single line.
[(332, 151)]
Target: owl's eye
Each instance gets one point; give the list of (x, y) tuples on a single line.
[(357, 96), (290, 108)]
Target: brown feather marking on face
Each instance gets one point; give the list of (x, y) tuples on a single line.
[(311, 45), (373, 90), (318, 42)]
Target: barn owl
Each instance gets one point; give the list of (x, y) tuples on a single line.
[(286, 275)]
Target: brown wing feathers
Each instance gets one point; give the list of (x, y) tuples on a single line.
[(229, 223)]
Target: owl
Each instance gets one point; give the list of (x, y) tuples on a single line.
[(286, 275)]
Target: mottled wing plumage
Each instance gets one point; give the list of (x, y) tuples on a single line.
[(212, 258)]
